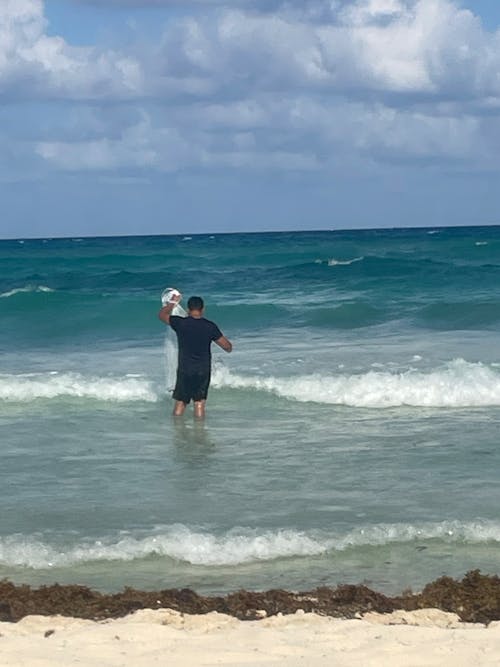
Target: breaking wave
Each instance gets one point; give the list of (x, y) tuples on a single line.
[(332, 261), (177, 542), (27, 288), (237, 546), (457, 384), (33, 386)]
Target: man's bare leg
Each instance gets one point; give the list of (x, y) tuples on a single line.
[(199, 409), (179, 408)]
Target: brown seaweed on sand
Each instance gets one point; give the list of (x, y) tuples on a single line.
[(476, 598)]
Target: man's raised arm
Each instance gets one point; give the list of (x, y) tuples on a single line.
[(166, 311)]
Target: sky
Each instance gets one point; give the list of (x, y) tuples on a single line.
[(164, 116)]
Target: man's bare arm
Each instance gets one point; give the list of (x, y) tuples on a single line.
[(166, 311), (224, 343)]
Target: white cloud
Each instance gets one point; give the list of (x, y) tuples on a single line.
[(423, 47), (292, 134), (418, 46), (262, 5), (35, 65), (242, 88), (133, 149), (430, 46), (369, 11), (146, 146)]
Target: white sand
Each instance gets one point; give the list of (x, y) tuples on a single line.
[(163, 637)]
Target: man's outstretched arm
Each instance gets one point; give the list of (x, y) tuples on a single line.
[(166, 311), (224, 343)]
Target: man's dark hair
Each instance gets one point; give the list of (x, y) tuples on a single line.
[(195, 303)]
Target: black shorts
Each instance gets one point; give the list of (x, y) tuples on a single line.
[(191, 386)]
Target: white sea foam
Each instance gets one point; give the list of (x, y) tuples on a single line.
[(474, 532), (343, 262), (27, 288), (457, 384), (177, 542), (30, 387), (238, 546), (338, 262)]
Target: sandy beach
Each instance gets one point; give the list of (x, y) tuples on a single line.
[(449, 623), (161, 637)]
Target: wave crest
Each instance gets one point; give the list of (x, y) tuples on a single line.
[(237, 546), (458, 384), (31, 387), (27, 288), (177, 542)]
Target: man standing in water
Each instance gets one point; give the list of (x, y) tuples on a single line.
[(194, 337)]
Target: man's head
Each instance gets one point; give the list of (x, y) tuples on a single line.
[(195, 303)]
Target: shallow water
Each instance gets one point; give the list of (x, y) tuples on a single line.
[(351, 436)]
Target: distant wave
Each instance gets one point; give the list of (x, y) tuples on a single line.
[(27, 288), (237, 546), (338, 262), (457, 384), (30, 387), (343, 262)]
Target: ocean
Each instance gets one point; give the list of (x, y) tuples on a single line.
[(351, 437)]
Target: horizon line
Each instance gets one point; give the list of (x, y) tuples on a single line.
[(269, 231)]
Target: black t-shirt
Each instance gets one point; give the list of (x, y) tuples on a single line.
[(194, 336)]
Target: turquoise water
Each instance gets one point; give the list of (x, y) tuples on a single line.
[(352, 435)]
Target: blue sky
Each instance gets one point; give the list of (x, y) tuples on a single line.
[(157, 116)]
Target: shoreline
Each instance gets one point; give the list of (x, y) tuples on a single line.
[(474, 599)]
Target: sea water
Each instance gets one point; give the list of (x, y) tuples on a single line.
[(352, 435)]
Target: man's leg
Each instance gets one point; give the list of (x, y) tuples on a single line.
[(180, 394), (179, 408), (199, 409)]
